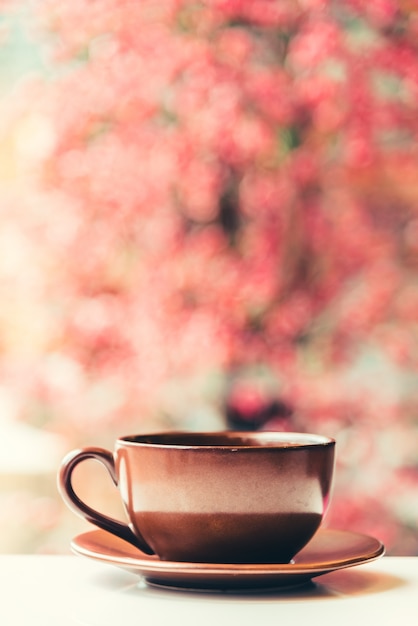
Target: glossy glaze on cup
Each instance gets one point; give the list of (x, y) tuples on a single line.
[(224, 497)]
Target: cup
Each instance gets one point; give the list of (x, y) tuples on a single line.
[(214, 497)]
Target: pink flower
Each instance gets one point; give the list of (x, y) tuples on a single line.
[(204, 189)]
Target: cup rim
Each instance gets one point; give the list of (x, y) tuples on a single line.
[(227, 440)]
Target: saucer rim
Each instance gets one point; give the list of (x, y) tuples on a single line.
[(147, 565)]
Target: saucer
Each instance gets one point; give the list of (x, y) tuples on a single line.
[(328, 551)]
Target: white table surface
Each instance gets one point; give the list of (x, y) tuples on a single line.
[(64, 590)]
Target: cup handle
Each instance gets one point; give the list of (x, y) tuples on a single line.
[(69, 463)]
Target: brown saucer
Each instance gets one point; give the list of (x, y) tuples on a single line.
[(329, 550)]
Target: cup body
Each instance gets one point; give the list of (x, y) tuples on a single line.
[(224, 497)]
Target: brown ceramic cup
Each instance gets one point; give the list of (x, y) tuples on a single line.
[(223, 497)]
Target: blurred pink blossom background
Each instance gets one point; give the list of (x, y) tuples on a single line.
[(209, 219)]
